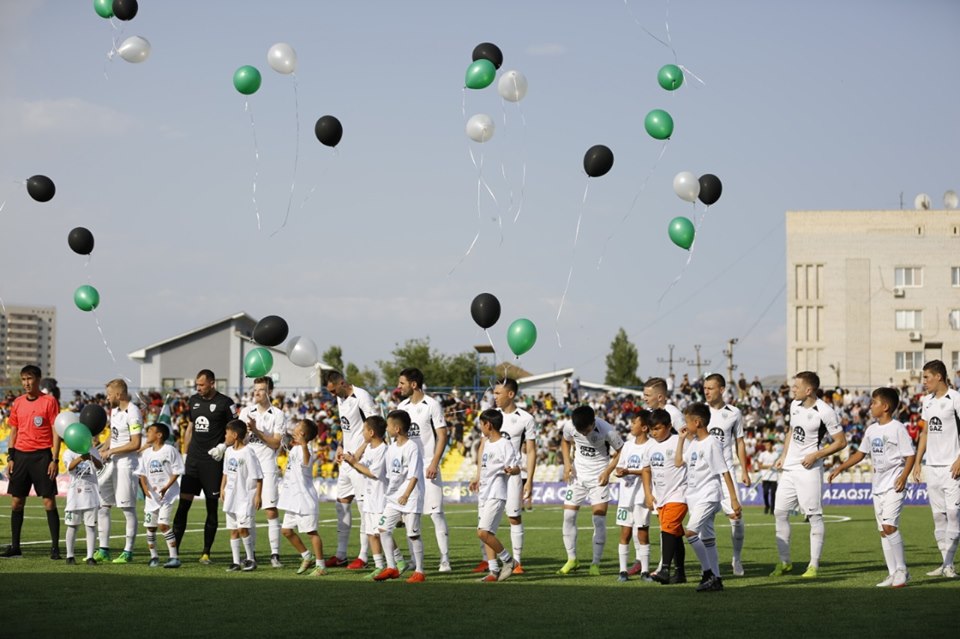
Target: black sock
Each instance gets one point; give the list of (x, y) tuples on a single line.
[(667, 549), (16, 523), (53, 522), (210, 525), (681, 554), (180, 519)]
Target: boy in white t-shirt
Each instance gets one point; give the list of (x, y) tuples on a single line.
[(83, 500), (768, 475), (664, 487), (299, 499), (373, 501), (631, 513), (891, 451), (240, 489), (160, 467)]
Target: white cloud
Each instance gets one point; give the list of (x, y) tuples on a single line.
[(546, 49), (61, 117)]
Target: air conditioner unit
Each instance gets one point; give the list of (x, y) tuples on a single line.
[(189, 383), (913, 373), (899, 292), (915, 336)]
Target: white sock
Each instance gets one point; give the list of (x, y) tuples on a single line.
[(516, 540), (623, 550), (378, 561), (171, 538), (817, 533), (416, 549), (888, 555), (103, 525), (701, 552), (344, 524), (483, 551), (71, 539), (599, 537), (364, 544), (713, 556), (644, 557), (783, 534), (570, 532), (952, 539), (736, 534), (305, 554), (152, 543), (896, 548), (235, 549), (443, 535), (91, 540), (389, 549), (492, 565), (130, 515), (940, 531), (273, 532), (397, 553), (248, 547)]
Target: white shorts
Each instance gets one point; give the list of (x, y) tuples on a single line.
[(433, 495), (240, 520), (490, 512), (635, 517), (801, 490), (303, 523), (74, 517), (514, 505), (118, 483), (942, 489), (700, 519), (887, 507), (270, 492), (349, 482), (154, 518), (578, 492), (725, 504), (371, 522), (390, 517)]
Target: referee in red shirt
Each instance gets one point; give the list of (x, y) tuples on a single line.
[(33, 458)]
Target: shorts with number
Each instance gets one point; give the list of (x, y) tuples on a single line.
[(87, 517), (725, 504), (801, 490), (349, 482), (942, 489), (701, 518), (118, 483), (490, 512), (635, 516), (371, 522), (32, 469), (303, 523), (202, 476), (433, 495), (514, 504), (390, 517), (240, 520), (159, 517), (887, 507), (270, 493), (579, 492)]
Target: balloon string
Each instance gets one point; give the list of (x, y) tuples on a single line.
[(693, 245), (102, 337), (490, 339), (573, 256), (114, 49), (668, 43), (256, 157), (296, 154), (523, 179)]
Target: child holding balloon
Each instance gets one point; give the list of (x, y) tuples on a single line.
[(83, 500)]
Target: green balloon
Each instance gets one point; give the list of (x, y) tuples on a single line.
[(521, 336), (104, 8), (77, 437), (86, 298), (659, 124), (681, 231), (670, 77), (247, 80), (480, 74), (257, 363)]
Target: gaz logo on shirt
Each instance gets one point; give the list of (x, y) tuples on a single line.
[(396, 467), (234, 465), (935, 425), (202, 425), (718, 433), (876, 445), (693, 459), (633, 462), (414, 430), (156, 466), (345, 424), (656, 460), (115, 432), (799, 435), (588, 451), (483, 464)]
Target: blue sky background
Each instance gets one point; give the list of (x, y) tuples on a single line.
[(806, 105)]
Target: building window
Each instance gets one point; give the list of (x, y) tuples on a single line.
[(954, 319), (909, 320), (955, 362), (909, 360), (908, 276), (168, 384), (955, 276)]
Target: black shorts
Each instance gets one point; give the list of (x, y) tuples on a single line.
[(205, 476), (31, 469)]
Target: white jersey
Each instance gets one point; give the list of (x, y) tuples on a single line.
[(676, 417), (592, 452), (888, 446), (297, 492), (158, 466), (519, 427), (353, 411), (404, 463), (242, 469), (767, 458), (943, 428), (705, 465), (124, 424), (669, 482), (426, 416), (808, 427), (726, 425), (631, 458), (271, 422), (84, 492), (375, 490), (497, 456)]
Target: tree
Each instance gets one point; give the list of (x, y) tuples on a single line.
[(439, 370), (333, 356), (622, 362), (367, 378)]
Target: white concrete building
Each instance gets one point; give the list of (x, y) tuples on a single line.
[(27, 336)]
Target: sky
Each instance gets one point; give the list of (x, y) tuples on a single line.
[(802, 106)]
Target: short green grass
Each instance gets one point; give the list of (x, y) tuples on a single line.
[(42, 597)]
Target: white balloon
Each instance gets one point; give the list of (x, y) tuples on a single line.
[(63, 420), (282, 58), (480, 127), (134, 49), (302, 351), (512, 86), (687, 186)]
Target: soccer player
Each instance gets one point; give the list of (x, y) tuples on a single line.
[(300, 501), (203, 439), (428, 430), (499, 460), (241, 490), (726, 425), (939, 445), (160, 467), (655, 396), (702, 454), (118, 479), (266, 426), (631, 513), (83, 499), (372, 467), (664, 487), (404, 496), (354, 405), (32, 456), (891, 453), (596, 447), (801, 463)]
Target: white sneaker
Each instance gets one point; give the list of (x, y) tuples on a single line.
[(900, 578), (886, 583), (950, 572), (737, 569), (936, 572), (445, 567)]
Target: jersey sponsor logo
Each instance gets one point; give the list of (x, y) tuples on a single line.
[(38, 421), (693, 458), (935, 425), (156, 466), (202, 425), (799, 434), (396, 467), (876, 445), (115, 432), (414, 430), (656, 460), (505, 435), (483, 463), (345, 423), (588, 451), (233, 465), (719, 434), (633, 462)]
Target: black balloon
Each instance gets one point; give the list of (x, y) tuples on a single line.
[(485, 310), (488, 51), (81, 241), (272, 330), (598, 160), (125, 9), (93, 417), (329, 130), (49, 386), (41, 188), (710, 188)]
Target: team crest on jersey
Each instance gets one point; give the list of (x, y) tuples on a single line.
[(37, 421), (213, 408), (876, 445)]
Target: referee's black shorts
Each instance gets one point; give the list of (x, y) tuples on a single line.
[(203, 475), (32, 470)]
